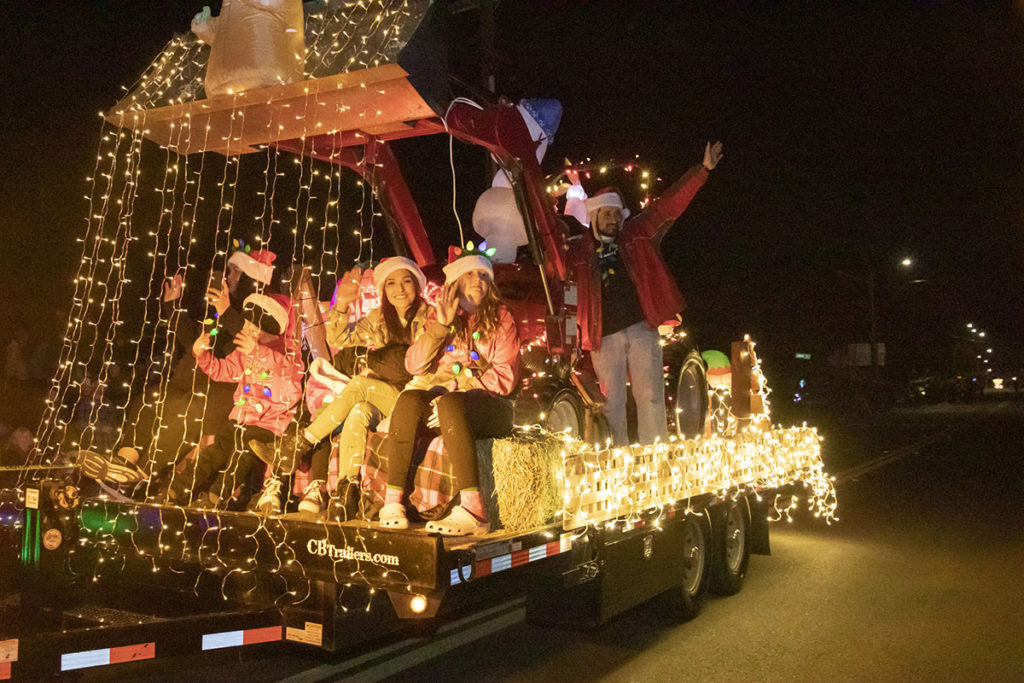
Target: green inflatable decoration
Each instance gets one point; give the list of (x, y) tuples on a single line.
[(716, 359)]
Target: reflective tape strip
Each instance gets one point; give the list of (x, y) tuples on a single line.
[(81, 660), (516, 559), (520, 557), (501, 563), (132, 653), (110, 655), (5, 671), (268, 634), (215, 641), (250, 636)]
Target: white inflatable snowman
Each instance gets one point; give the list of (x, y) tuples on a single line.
[(496, 217)]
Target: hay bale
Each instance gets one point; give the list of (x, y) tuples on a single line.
[(527, 482)]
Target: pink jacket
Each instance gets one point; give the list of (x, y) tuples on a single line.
[(496, 370), (269, 385)]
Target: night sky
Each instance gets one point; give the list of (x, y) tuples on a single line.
[(854, 136)]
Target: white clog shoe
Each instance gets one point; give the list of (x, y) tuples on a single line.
[(459, 522)]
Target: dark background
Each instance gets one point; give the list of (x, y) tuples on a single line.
[(854, 135)]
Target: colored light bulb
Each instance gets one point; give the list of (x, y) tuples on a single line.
[(474, 355), (266, 391)]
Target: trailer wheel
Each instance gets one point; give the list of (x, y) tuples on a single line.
[(685, 602), (566, 413), (691, 398), (732, 547)]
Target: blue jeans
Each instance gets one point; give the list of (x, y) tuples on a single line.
[(634, 353)]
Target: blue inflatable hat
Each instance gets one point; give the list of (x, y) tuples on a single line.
[(546, 112)]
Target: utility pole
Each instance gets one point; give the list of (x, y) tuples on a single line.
[(874, 325)]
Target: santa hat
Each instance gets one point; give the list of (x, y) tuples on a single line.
[(258, 264), (608, 196), (266, 313), (390, 265), (461, 261)]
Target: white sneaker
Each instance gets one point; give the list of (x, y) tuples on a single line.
[(459, 522), (314, 499), (392, 516), (269, 502)]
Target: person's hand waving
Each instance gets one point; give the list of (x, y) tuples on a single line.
[(219, 298), (348, 288), (173, 288), (712, 154), (447, 305), (202, 344)]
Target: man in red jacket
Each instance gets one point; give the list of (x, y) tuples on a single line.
[(625, 291)]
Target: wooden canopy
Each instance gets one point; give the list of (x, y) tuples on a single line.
[(378, 102)]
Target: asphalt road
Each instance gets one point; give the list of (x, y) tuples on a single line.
[(919, 580)]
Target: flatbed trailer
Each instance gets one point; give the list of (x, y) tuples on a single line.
[(164, 590)]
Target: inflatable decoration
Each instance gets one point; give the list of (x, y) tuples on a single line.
[(498, 221), (496, 217), (719, 369), (253, 43)]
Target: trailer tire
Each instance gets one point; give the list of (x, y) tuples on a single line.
[(685, 601), (731, 524)]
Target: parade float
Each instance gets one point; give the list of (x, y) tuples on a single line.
[(583, 529)]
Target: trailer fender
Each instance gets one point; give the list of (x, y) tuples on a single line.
[(757, 513)]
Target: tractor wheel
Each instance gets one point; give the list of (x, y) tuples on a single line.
[(691, 398)]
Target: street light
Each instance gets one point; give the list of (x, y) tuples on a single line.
[(907, 262)]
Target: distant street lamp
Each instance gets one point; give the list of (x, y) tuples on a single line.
[(907, 262)]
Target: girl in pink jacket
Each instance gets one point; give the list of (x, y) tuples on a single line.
[(470, 352), (268, 389)]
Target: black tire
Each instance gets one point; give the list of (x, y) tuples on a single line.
[(731, 527), (685, 601), (691, 398), (566, 412)]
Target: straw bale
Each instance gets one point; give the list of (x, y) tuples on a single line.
[(527, 482)]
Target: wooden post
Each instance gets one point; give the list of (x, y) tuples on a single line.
[(746, 389)]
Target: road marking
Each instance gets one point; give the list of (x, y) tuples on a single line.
[(397, 657), (891, 457)]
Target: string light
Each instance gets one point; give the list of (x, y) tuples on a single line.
[(644, 178)]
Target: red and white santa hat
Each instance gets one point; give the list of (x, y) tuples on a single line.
[(266, 313), (390, 265), (461, 261), (608, 196), (257, 264)]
